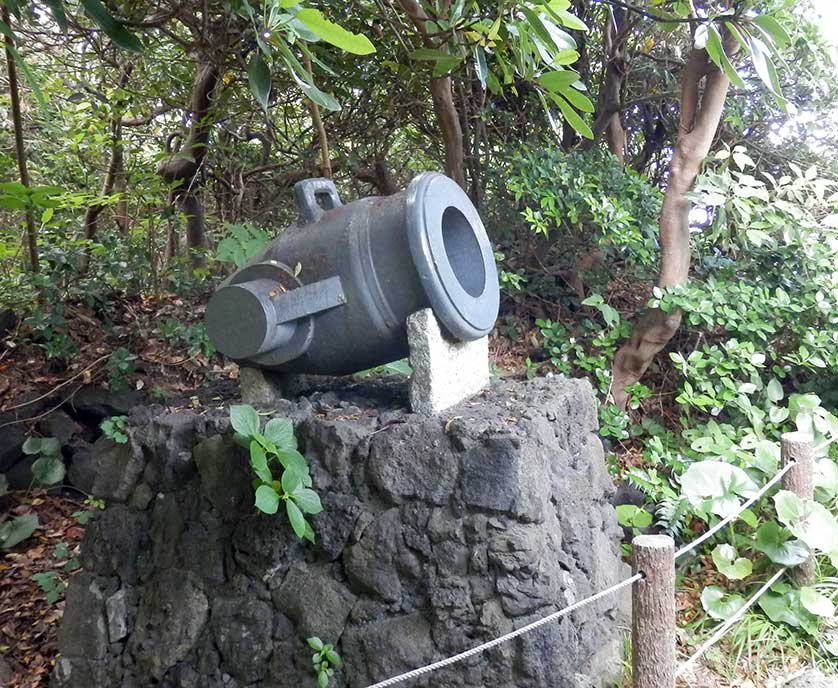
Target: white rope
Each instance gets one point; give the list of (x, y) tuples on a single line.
[(721, 524), (725, 627), (415, 673), (509, 636)]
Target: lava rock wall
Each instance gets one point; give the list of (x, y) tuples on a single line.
[(437, 534)]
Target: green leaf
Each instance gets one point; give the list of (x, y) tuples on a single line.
[(296, 518), (572, 117), (334, 658), (259, 78), (774, 542), (48, 470), (317, 96), (293, 460), (291, 480), (307, 500), (569, 20), (57, 9), (315, 643), (555, 81), (14, 6), (29, 75), (32, 445), (716, 51), (774, 390), (826, 477), (782, 608), (245, 420), (13, 188), (632, 516), (719, 605), (400, 367), (539, 29), (565, 57), (280, 431), (788, 506), (815, 603), (354, 43), (772, 27), (767, 456), (12, 203), (579, 100), (429, 55), (762, 64), (719, 482), (759, 238), (6, 31), (322, 679), (117, 32), (259, 462), (749, 517), (480, 67), (809, 521), (443, 67), (309, 533), (50, 446), (267, 500), (17, 529), (729, 565)]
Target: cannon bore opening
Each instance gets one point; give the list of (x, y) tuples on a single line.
[(463, 251)]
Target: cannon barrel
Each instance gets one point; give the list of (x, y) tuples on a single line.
[(332, 293)]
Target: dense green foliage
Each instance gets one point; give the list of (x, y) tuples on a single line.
[(163, 141), (757, 358)]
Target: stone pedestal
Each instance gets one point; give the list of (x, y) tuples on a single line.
[(436, 535), (445, 372)]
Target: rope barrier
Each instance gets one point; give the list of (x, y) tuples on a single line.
[(721, 524), (720, 632), (725, 627), (509, 636)]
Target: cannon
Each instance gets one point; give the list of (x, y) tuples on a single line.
[(331, 295)]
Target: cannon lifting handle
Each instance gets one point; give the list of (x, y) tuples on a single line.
[(314, 197)]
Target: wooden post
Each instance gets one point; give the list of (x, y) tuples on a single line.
[(798, 447), (653, 612)]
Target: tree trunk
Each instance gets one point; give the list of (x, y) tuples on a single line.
[(20, 150), (317, 121), (700, 113), (449, 123), (609, 103), (470, 143), (91, 215), (181, 169), (94, 210), (443, 100), (121, 217)]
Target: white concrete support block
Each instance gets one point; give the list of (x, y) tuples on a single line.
[(445, 372)]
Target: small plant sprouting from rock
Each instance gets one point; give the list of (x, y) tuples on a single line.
[(48, 468), (93, 505), (324, 660), (272, 448), (115, 428)]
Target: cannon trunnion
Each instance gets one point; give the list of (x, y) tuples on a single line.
[(331, 295)]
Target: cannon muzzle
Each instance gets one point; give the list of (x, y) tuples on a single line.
[(360, 270)]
